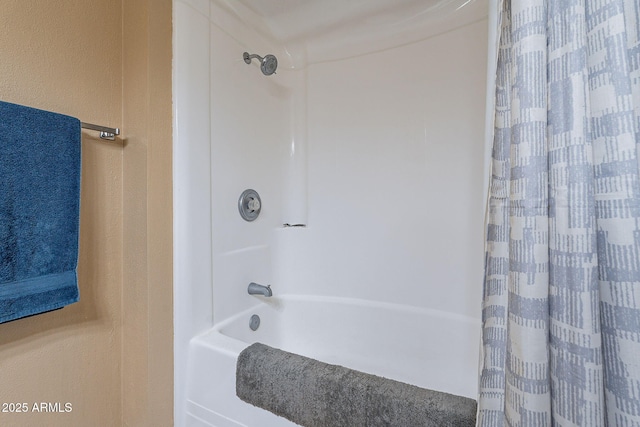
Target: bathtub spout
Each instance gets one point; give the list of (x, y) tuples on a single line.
[(256, 289)]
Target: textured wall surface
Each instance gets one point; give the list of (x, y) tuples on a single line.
[(147, 359), (68, 56)]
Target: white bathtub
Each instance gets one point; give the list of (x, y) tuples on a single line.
[(427, 348)]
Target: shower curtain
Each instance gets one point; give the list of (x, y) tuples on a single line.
[(561, 307)]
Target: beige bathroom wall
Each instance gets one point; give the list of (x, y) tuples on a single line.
[(148, 292), (75, 57)]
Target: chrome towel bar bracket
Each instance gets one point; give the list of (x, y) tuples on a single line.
[(105, 132)]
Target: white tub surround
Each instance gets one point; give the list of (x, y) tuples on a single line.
[(366, 148)]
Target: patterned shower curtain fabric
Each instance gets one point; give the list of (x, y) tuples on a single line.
[(561, 307)]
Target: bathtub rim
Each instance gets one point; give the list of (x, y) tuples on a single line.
[(360, 302)]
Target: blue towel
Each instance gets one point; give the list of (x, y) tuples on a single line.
[(39, 210)]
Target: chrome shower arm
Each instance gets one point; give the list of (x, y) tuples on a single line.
[(247, 58)]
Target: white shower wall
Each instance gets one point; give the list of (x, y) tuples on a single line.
[(233, 131), (395, 164), (387, 172)]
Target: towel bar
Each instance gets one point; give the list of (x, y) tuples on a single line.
[(105, 132)]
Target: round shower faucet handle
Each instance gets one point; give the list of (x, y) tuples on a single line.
[(249, 205), (253, 204)]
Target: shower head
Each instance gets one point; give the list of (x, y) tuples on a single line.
[(268, 64)]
